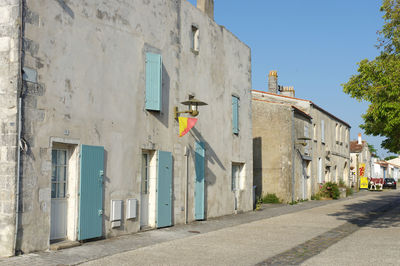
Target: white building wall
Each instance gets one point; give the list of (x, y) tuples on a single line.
[(90, 62)]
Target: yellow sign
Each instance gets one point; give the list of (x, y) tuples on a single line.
[(362, 169), (364, 182)]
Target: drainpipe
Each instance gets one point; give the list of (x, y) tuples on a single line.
[(19, 127), (18, 174), (187, 184), (293, 155)]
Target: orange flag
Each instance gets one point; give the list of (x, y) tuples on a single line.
[(186, 124)]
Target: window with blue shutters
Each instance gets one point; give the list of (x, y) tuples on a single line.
[(319, 170), (235, 115), (153, 82)]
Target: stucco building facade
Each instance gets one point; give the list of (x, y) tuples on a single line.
[(361, 154), (281, 151), (328, 137), (100, 155)]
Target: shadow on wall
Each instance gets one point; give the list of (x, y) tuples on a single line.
[(66, 8), (376, 213), (210, 157), (257, 165)]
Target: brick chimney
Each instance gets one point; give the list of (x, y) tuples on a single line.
[(273, 82), (288, 91), (359, 139), (207, 6)]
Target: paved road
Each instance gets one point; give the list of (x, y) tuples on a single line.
[(341, 233), (361, 230)]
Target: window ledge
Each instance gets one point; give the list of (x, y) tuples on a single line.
[(196, 52)]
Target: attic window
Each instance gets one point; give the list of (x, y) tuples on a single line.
[(195, 39)]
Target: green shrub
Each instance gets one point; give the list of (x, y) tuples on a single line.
[(330, 190), (270, 198), (349, 191), (316, 196), (341, 183), (258, 204)]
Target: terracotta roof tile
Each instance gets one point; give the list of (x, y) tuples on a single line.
[(355, 147)]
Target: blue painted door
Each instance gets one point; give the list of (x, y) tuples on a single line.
[(164, 189), (91, 192), (199, 183)]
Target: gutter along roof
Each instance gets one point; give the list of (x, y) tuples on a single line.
[(289, 105), (310, 102)]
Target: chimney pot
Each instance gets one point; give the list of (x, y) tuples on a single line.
[(273, 82), (207, 6), (359, 139), (288, 91)]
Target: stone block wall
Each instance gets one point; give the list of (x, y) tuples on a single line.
[(9, 82)]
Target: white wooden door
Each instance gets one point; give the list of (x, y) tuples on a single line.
[(235, 183), (59, 204)]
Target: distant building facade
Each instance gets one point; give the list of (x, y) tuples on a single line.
[(327, 141), (361, 154), (281, 153), (385, 169)]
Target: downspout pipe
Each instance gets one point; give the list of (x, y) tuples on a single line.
[(18, 175), (19, 126), (186, 184), (293, 154)]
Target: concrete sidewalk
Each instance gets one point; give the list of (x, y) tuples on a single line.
[(220, 236)]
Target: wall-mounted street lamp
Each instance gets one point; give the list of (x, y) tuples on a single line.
[(302, 141), (192, 104)]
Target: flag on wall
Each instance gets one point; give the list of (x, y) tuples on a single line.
[(186, 124)]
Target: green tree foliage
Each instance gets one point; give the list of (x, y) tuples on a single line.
[(378, 82), (372, 149), (390, 157)]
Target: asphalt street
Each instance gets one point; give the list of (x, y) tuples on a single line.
[(360, 230)]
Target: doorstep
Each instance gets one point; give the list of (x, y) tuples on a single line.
[(64, 244)]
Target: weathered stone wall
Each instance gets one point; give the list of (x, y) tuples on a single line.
[(273, 149), (332, 153), (335, 156), (9, 80), (89, 58), (278, 155), (302, 185)]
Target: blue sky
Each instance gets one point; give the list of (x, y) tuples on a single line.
[(314, 45)]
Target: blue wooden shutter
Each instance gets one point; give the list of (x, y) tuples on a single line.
[(199, 185), (153, 82), (164, 189), (322, 131), (319, 170), (91, 192), (235, 114)]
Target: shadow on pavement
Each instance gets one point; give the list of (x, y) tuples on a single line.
[(381, 212)]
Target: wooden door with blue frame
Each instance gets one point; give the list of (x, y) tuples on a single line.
[(164, 189), (91, 192), (199, 192)]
